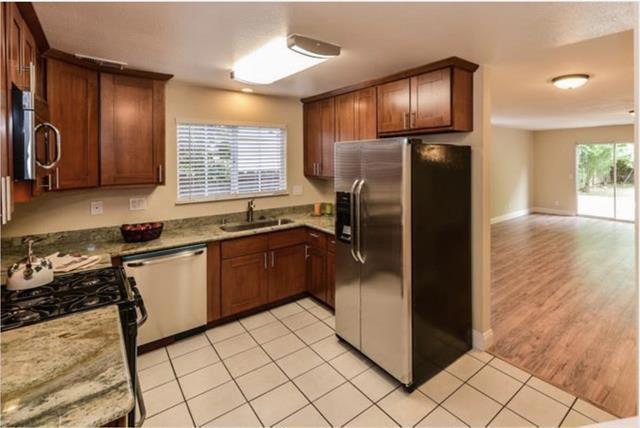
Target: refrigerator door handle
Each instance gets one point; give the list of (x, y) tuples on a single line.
[(352, 215), (358, 221)]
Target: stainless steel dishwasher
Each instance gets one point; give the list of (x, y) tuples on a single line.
[(173, 284)]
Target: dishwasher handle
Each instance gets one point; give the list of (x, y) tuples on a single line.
[(154, 261)]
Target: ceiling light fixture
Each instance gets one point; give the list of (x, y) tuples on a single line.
[(570, 81), (247, 90), (282, 57)]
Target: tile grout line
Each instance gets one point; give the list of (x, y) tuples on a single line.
[(568, 411), (184, 398), (233, 379)]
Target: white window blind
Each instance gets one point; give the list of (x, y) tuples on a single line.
[(225, 161)]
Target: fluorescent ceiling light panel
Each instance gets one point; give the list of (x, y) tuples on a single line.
[(272, 62)]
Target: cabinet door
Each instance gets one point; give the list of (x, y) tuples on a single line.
[(72, 94), (245, 283), (5, 149), (331, 279), (365, 114), (346, 117), (316, 272), (15, 40), (213, 282), (327, 107), (431, 99), (394, 105), (287, 272), (131, 130), (319, 138)]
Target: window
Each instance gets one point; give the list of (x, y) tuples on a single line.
[(217, 161)]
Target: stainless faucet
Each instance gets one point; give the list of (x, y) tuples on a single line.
[(250, 206)]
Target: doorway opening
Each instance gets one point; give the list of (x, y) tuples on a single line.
[(604, 180)]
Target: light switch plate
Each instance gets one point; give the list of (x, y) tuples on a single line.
[(96, 207), (297, 189), (138, 203)]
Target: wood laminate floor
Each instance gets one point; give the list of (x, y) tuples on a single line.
[(564, 305)]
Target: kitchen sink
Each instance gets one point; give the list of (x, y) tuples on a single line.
[(255, 225)]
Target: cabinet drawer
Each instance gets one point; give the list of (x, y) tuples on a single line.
[(331, 243), (287, 238), (244, 246), (317, 239)]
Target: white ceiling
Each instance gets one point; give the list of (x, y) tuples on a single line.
[(527, 44)]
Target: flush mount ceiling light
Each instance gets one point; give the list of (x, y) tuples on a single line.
[(570, 81), (282, 57)]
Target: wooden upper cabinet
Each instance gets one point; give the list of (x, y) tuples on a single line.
[(319, 137), (437, 101), (356, 115), (346, 117), (431, 99), (394, 105), (131, 130), (15, 41), (72, 94)]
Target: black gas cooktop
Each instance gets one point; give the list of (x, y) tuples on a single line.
[(67, 294)]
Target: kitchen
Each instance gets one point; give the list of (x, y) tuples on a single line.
[(231, 307)]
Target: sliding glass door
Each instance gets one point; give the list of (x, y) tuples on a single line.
[(605, 180)]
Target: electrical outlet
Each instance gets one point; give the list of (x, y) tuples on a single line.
[(138, 203), (96, 207), (297, 189)]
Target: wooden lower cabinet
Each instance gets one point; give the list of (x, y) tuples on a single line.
[(214, 292), (331, 279), (316, 272), (247, 273), (245, 283), (287, 272)]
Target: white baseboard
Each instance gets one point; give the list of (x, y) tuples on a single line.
[(482, 340), (553, 211), (509, 216)]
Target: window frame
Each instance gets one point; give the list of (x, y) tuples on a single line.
[(229, 196)]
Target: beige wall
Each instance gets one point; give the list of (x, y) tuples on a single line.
[(70, 210), (554, 188), (511, 172)]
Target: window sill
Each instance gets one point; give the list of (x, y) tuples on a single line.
[(233, 198)]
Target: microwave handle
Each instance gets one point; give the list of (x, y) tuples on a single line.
[(58, 145)]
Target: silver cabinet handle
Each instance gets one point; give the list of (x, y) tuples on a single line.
[(265, 261), (58, 145), (160, 172), (273, 259), (306, 252), (3, 189), (9, 198), (352, 218), (57, 178), (49, 185), (358, 220), (315, 235), (166, 259)]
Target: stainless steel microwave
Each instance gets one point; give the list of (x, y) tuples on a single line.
[(24, 129)]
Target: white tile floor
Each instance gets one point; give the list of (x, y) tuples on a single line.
[(285, 367)]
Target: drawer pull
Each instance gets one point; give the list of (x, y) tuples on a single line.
[(314, 235)]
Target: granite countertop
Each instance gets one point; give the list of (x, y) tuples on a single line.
[(70, 371), (108, 243)]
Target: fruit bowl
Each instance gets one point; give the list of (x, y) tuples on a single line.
[(141, 232)]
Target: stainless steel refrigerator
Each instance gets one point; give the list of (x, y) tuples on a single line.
[(403, 253)]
